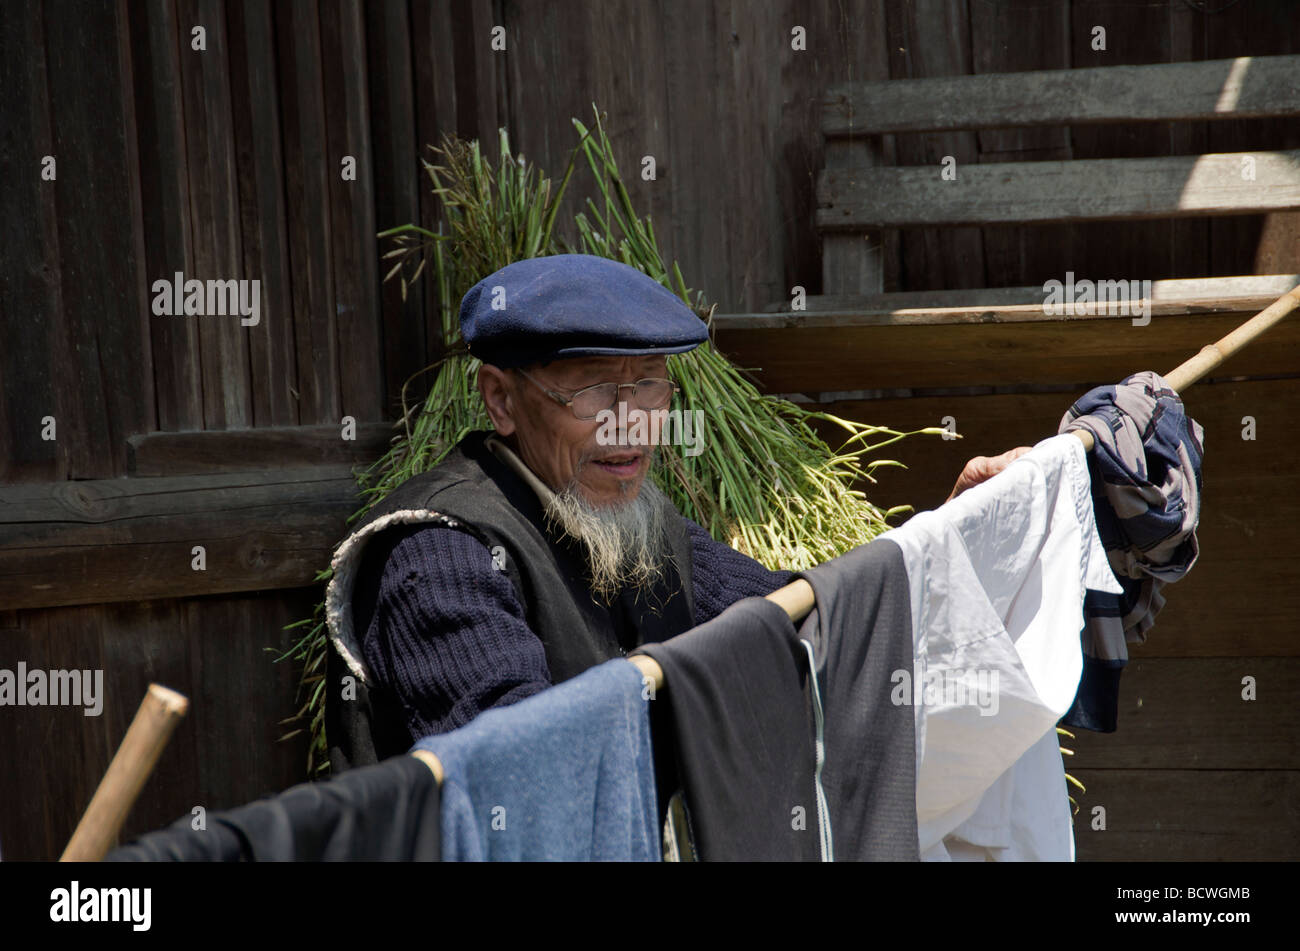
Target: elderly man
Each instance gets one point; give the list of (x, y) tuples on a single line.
[(533, 553)]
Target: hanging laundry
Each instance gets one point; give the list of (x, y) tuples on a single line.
[(861, 631), (180, 842), (565, 775), (996, 579), (388, 811), (737, 726), (1146, 487)]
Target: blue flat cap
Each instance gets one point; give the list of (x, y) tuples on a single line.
[(574, 305)]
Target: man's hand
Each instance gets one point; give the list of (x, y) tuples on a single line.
[(984, 467)]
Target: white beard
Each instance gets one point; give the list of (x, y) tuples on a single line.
[(626, 544)]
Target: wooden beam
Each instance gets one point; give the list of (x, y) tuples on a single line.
[(208, 452), (813, 353), (1180, 295), (90, 542), (1178, 186), (1243, 88)]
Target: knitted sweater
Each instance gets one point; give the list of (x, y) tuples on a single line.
[(446, 632)]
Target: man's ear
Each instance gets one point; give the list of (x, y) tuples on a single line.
[(497, 390)]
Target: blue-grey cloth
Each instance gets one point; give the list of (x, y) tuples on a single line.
[(574, 305), (1146, 491), (566, 774)]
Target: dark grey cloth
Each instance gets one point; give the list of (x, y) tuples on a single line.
[(734, 724), (389, 811), (178, 842), (861, 632)]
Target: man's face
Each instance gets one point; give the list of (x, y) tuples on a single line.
[(557, 445)]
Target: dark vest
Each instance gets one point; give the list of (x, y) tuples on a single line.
[(490, 501)]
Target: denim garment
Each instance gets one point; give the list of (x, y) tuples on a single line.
[(564, 775)]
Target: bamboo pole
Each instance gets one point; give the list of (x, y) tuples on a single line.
[(650, 669), (145, 739), (1213, 354), (431, 761)]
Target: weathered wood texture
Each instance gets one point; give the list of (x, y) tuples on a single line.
[(397, 189), (1195, 770), (1181, 186), (71, 293), (217, 163), (1195, 713), (225, 753), (1244, 88), (129, 539), (1209, 810), (952, 257), (1029, 41), (813, 353), (1043, 32), (238, 450), (257, 111), (1188, 815)]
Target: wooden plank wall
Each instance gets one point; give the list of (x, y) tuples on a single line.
[(224, 163), (219, 163)]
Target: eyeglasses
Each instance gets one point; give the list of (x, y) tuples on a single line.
[(591, 401)]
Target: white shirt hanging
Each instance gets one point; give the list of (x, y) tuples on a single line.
[(997, 578)]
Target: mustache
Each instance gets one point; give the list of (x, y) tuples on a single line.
[(604, 453)]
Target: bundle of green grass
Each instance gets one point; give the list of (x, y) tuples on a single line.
[(765, 482)]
